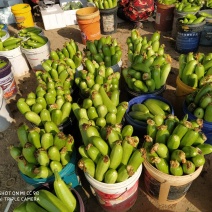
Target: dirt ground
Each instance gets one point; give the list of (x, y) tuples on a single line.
[(198, 197)]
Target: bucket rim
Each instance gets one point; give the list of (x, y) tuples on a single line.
[(165, 6), (195, 174), (17, 7), (181, 83), (155, 92), (7, 66), (80, 12), (147, 96), (12, 53)]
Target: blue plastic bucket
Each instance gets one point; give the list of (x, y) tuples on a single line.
[(68, 174), (141, 125), (207, 126), (206, 35), (177, 15), (188, 36)]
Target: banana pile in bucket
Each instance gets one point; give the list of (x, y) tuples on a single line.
[(149, 65)]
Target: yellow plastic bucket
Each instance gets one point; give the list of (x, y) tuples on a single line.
[(183, 89), (23, 15)]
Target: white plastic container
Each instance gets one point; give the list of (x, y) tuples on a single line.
[(53, 17), (5, 115), (36, 56), (117, 196), (18, 61)]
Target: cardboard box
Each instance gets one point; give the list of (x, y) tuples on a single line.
[(70, 15), (53, 17)]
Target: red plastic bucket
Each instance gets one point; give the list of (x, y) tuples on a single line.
[(119, 196)]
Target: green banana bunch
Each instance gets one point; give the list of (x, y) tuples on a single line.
[(189, 6), (94, 75), (192, 19), (149, 66), (106, 50), (177, 147), (208, 4), (195, 69), (104, 4), (199, 103), (111, 162), (155, 109), (41, 151), (52, 98)]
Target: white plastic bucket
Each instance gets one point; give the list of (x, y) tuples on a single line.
[(5, 115), (117, 196), (36, 56), (18, 61)]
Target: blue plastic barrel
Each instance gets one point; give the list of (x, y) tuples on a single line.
[(68, 174), (188, 37), (141, 125), (207, 126)]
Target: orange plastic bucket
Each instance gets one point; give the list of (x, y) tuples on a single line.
[(23, 15), (88, 19), (183, 89)]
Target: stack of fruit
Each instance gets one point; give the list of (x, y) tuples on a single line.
[(192, 19), (101, 109), (52, 99), (155, 108), (34, 41), (93, 76), (199, 103), (195, 70), (111, 156), (10, 43), (41, 151), (189, 6), (69, 55), (104, 4), (149, 66), (176, 147), (106, 50), (24, 32)]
